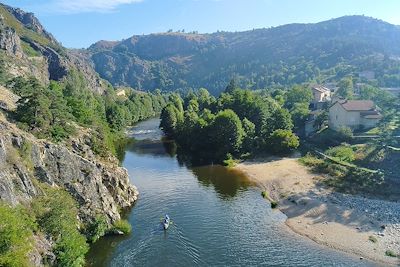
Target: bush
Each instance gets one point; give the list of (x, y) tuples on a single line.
[(372, 239), (123, 226), (344, 134), (283, 141), (230, 162), (274, 204), (16, 231), (390, 253), (97, 229), (57, 212), (343, 153)]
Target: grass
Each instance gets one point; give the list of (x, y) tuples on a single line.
[(344, 176), (123, 226)]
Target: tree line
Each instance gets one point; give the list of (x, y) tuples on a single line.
[(54, 111), (237, 123)]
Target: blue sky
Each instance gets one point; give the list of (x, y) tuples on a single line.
[(79, 23)]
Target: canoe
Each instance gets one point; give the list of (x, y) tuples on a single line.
[(166, 222)]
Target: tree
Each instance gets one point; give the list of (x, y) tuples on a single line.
[(300, 112), (170, 118), (283, 141), (249, 135), (345, 89), (227, 133), (231, 86), (298, 94)]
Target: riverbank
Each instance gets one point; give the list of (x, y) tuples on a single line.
[(353, 224)]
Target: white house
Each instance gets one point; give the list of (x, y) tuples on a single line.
[(356, 114), (321, 95)]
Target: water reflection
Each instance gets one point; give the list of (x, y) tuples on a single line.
[(227, 182)]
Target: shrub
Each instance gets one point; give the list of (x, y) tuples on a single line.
[(283, 141), (372, 239), (96, 229), (390, 253), (16, 231), (274, 204), (57, 212), (123, 226), (344, 134), (230, 162), (310, 160), (343, 153)]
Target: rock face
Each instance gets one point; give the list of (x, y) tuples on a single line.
[(9, 40), (49, 61), (30, 21), (98, 187)]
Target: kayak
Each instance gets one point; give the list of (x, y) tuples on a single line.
[(166, 222)]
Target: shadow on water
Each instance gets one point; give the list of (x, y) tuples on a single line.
[(226, 182)]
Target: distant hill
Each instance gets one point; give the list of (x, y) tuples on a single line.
[(283, 55)]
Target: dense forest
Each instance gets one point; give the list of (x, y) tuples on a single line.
[(236, 124), (264, 58)]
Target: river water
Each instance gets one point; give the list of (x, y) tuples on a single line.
[(219, 217)]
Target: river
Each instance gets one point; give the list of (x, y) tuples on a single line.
[(219, 217)]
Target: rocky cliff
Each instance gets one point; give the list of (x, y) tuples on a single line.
[(27, 49), (100, 187)]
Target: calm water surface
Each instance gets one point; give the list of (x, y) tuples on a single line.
[(219, 217)]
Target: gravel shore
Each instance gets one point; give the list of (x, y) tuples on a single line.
[(365, 227)]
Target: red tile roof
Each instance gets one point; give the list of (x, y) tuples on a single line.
[(357, 105)]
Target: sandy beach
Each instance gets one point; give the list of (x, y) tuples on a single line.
[(364, 227)]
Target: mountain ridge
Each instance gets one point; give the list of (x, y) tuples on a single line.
[(176, 60)]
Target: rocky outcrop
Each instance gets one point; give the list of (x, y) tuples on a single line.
[(98, 187), (9, 40), (29, 20)]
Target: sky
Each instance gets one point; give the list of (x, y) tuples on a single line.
[(80, 23)]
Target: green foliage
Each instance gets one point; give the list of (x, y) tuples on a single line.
[(283, 141), (56, 213), (343, 153), (345, 89), (265, 58), (96, 229), (390, 253), (123, 225), (53, 111), (16, 236), (228, 134), (298, 94), (242, 123), (344, 134)]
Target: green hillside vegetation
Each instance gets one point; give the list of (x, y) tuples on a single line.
[(54, 111), (265, 58), (238, 123)]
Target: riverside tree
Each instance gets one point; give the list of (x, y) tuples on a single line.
[(236, 123)]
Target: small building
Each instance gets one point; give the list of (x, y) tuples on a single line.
[(310, 126), (321, 95), (355, 114)]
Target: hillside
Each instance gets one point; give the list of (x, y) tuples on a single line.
[(61, 128), (284, 55)]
